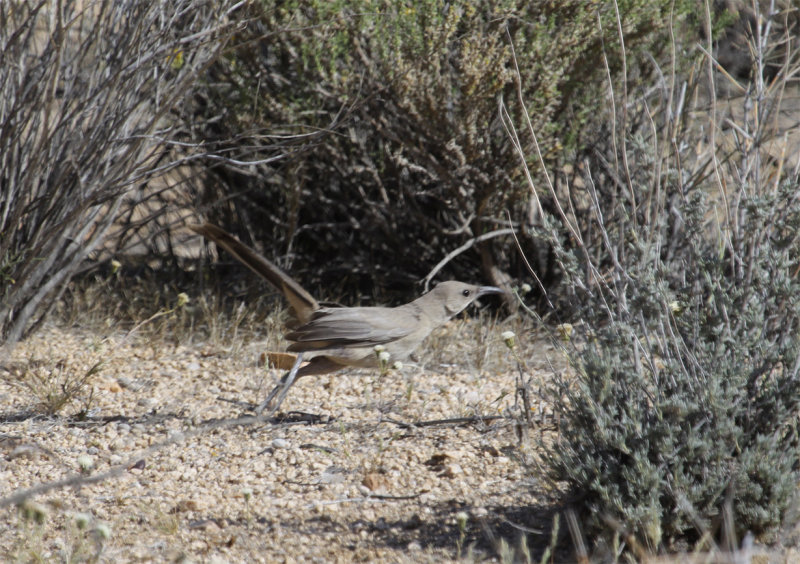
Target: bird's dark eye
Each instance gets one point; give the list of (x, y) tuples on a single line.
[(465, 293)]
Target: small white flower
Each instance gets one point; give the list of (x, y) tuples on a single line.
[(524, 289), (82, 520), (397, 365), (85, 463), (461, 519), (183, 299), (378, 349), (384, 356), (102, 532), (247, 493), (508, 337)]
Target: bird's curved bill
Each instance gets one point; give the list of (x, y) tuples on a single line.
[(484, 290)]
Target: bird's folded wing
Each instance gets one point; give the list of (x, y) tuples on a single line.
[(352, 327)]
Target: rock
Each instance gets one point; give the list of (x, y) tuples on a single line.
[(376, 482), (329, 477), (281, 443), (185, 505), (452, 470)]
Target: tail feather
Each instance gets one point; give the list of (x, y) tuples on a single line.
[(301, 301)]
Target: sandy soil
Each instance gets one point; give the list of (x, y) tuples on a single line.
[(186, 474)]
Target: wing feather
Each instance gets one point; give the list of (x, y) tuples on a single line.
[(352, 327)]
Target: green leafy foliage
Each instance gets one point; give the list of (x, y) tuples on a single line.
[(686, 392), (385, 116)]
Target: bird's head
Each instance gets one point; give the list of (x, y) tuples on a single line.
[(455, 296)]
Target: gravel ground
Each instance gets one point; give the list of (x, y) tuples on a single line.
[(196, 479)]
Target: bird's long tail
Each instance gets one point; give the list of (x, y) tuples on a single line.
[(301, 301)]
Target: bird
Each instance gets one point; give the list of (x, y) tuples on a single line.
[(328, 339)]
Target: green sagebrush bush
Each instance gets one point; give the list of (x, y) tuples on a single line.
[(385, 118), (688, 398), (680, 419)]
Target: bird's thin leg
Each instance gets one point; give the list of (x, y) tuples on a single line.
[(281, 389)]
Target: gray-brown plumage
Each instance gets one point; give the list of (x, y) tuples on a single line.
[(332, 338)]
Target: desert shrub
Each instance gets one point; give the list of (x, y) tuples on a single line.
[(685, 397), (386, 116), (86, 91)]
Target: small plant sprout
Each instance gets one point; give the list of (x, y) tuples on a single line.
[(564, 331), (383, 358), (181, 300), (409, 389), (101, 533), (80, 523), (33, 511), (82, 520), (523, 384), (85, 463), (247, 494), (54, 386), (462, 518)]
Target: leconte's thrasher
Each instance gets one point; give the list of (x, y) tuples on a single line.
[(332, 338)]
